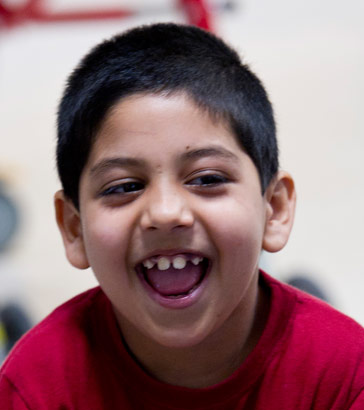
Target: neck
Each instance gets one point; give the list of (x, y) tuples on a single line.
[(210, 361)]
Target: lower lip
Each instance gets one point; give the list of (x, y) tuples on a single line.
[(180, 302)]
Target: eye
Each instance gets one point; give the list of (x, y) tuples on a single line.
[(124, 188), (208, 180)]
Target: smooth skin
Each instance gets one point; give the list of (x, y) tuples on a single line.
[(163, 176)]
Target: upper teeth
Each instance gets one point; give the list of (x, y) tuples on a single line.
[(178, 262), (163, 264), (196, 260), (148, 264)]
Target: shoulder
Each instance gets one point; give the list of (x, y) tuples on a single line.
[(321, 348), (314, 317), (47, 344), (330, 336), (56, 363), (317, 320)]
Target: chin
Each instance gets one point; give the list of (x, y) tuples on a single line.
[(179, 339)]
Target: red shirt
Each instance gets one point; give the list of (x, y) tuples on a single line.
[(309, 357)]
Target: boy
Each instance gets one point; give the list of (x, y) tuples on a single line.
[(168, 159)]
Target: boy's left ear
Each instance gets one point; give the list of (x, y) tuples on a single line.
[(281, 201)]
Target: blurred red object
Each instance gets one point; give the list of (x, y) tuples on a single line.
[(196, 11)]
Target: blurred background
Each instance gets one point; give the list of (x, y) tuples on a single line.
[(309, 55)]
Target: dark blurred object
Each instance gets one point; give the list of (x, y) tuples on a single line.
[(8, 218), (308, 286), (15, 322)]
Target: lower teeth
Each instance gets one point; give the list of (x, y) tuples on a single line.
[(181, 295)]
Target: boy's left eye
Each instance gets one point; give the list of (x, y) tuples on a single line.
[(208, 180)]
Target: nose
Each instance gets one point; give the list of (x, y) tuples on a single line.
[(166, 208)]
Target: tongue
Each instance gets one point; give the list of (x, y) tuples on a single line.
[(174, 281)]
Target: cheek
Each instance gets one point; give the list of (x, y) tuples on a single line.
[(238, 234), (106, 254), (105, 242), (239, 224)]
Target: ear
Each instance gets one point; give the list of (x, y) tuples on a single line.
[(69, 224), (281, 202)]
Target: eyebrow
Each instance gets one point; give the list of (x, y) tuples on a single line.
[(118, 162), (209, 152)]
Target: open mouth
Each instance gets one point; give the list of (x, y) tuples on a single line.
[(174, 277)]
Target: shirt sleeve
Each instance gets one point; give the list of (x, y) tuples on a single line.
[(10, 398)]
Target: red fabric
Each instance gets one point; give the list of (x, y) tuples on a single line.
[(309, 357)]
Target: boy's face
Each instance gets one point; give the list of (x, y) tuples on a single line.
[(172, 220)]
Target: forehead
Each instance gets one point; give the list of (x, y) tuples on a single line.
[(154, 119), (166, 105)]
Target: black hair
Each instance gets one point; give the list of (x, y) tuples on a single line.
[(163, 58)]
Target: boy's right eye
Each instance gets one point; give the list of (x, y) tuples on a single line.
[(124, 188)]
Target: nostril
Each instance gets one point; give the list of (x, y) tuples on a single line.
[(155, 228), (152, 228), (180, 226)]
